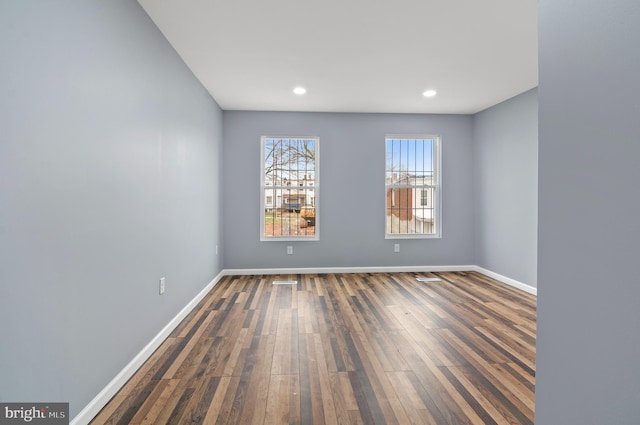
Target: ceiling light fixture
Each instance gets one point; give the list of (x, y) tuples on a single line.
[(429, 93), (300, 90)]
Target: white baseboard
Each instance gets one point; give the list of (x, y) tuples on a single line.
[(93, 408), (323, 270), (507, 280), (395, 269)]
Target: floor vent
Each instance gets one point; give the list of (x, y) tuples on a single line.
[(428, 279), (285, 282)]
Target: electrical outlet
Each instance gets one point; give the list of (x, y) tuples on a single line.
[(161, 285), (290, 250), (396, 248), (216, 249)]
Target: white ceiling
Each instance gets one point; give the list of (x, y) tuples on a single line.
[(355, 55)]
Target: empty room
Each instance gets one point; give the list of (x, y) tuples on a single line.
[(279, 212)]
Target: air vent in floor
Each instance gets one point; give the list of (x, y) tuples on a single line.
[(428, 279), (285, 282)]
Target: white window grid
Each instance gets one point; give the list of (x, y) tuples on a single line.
[(290, 182), (410, 173)]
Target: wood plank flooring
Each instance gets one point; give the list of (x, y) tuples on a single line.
[(342, 349)]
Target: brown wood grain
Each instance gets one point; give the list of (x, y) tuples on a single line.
[(342, 349)]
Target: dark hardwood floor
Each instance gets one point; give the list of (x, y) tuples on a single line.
[(342, 349)]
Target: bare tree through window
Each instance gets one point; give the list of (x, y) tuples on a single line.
[(289, 188)]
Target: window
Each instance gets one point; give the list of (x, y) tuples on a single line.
[(290, 177), (424, 197), (412, 186)]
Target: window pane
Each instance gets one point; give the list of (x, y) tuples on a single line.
[(290, 178), (412, 187)]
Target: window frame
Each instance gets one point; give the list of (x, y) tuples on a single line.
[(436, 185), (314, 186)]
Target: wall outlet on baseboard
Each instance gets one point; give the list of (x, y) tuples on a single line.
[(289, 250), (396, 247), (161, 285)]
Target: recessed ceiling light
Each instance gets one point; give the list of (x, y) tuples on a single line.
[(299, 90), (429, 93)]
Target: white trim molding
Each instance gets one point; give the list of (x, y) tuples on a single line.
[(324, 270), (93, 408), (507, 280), (395, 269)]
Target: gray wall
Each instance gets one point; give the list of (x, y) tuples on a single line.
[(110, 157), (589, 215), (505, 158), (351, 212)]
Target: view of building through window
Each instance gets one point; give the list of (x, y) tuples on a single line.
[(412, 186), (289, 188)]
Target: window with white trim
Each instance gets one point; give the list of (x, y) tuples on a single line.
[(289, 188), (413, 187)]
